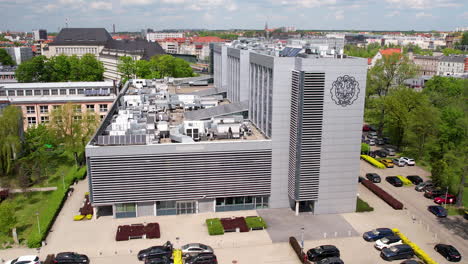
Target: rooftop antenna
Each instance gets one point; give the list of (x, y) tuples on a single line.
[(66, 22)]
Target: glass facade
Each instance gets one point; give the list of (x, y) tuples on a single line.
[(166, 208), (125, 210), (241, 203)]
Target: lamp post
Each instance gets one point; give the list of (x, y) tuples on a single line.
[(38, 224), (302, 238), (446, 198)]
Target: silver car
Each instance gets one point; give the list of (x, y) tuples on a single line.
[(193, 249)]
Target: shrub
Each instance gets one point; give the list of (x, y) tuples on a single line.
[(394, 203), (405, 181), (214, 227), (362, 206), (365, 148), (78, 217), (89, 217), (417, 250), (373, 161), (256, 223), (297, 248)]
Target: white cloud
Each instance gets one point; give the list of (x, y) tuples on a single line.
[(101, 5), (231, 6), (50, 7), (423, 14), (464, 15), (208, 17), (423, 4), (136, 2), (339, 15), (394, 13), (304, 3)]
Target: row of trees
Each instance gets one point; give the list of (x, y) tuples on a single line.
[(61, 68), (431, 125), (5, 58), (31, 157), (157, 67)]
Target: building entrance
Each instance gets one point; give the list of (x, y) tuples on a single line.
[(186, 207)]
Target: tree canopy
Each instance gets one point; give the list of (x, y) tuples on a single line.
[(10, 144), (5, 58), (157, 67), (60, 68)]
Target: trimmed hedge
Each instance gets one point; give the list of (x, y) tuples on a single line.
[(52, 209), (255, 223), (405, 181), (362, 206), (297, 248), (373, 161), (394, 203), (417, 250), (214, 226)]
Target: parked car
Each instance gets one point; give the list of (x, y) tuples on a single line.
[(194, 249), (332, 260), (381, 153), (377, 234), (372, 134), (371, 142), (203, 258), (387, 162), (380, 142), (408, 161), (158, 260), (70, 257), (437, 210), (387, 241), (402, 251), (465, 214), (398, 162), (423, 186), (365, 128), (449, 252), (31, 259), (386, 140), (363, 139), (445, 199), (433, 192), (373, 177), (321, 252), (415, 179), (393, 180), (156, 251), (411, 261), (391, 151)]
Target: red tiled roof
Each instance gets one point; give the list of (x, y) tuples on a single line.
[(388, 52), (179, 40), (208, 39)]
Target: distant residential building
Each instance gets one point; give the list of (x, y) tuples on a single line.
[(198, 46), (38, 100), (19, 54), (7, 74), (155, 36), (97, 41), (427, 64), (452, 65), (381, 54), (461, 29), (40, 34)]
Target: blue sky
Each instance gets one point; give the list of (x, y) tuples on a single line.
[(134, 15)]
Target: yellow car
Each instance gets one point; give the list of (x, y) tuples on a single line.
[(387, 162)]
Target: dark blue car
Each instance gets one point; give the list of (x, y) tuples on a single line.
[(437, 210), (377, 234)]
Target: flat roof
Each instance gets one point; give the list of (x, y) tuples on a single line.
[(38, 85), (56, 99)]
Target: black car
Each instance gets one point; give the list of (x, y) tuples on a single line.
[(202, 258), (380, 142), (449, 252), (433, 192), (70, 257), (332, 260), (156, 251), (381, 153), (393, 180), (402, 251), (415, 179), (321, 252), (373, 177), (158, 260), (377, 234), (437, 210), (411, 261)]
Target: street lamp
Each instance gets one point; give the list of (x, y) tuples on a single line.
[(38, 224), (446, 198)]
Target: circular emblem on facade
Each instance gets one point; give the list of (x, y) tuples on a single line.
[(345, 90)]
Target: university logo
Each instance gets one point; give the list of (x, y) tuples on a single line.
[(345, 90)]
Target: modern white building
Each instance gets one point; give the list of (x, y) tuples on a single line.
[(19, 54), (155, 36), (452, 65)]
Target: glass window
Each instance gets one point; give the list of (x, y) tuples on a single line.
[(44, 109), (229, 201), (20, 93), (11, 93), (103, 107), (28, 92), (54, 92), (77, 108), (63, 91), (37, 92), (30, 109), (44, 119), (125, 210), (90, 107), (72, 91), (2, 93), (80, 91), (32, 120), (45, 92), (102, 117), (76, 118), (56, 107)]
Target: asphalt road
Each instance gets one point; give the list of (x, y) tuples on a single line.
[(451, 230)]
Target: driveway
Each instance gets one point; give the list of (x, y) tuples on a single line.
[(452, 230)]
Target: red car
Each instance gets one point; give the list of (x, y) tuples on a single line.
[(450, 199), (365, 128)]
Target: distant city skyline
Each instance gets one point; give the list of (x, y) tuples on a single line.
[(134, 15)]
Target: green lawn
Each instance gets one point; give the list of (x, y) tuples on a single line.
[(465, 197), (362, 206)]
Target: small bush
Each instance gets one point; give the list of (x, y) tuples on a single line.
[(365, 148), (297, 248), (373, 161), (255, 223), (405, 181), (390, 200), (78, 217), (362, 206), (214, 227)]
